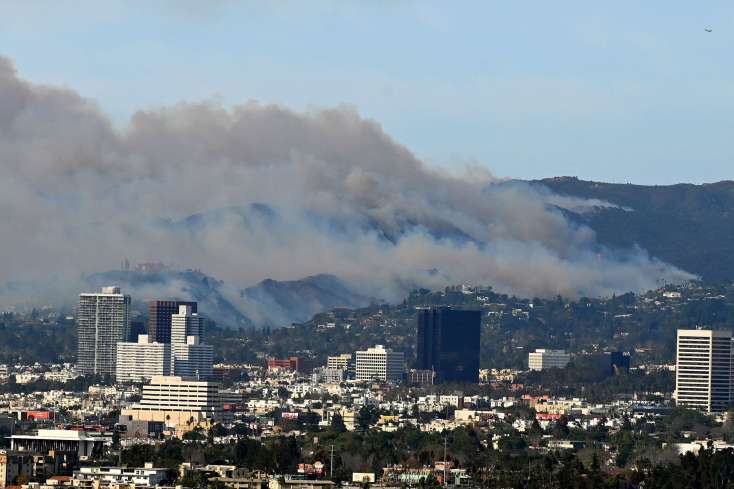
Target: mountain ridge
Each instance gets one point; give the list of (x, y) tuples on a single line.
[(688, 225)]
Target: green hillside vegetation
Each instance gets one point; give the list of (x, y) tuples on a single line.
[(690, 226)]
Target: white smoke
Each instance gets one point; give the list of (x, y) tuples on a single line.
[(77, 195)]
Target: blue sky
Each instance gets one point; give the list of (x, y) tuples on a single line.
[(625, 91)]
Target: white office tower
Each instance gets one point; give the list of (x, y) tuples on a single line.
[(190, 357), (186, 323), (103, 320), (703, 377), (193, 359), (542, 359), (380, 363), (141, 361), (178, 402)]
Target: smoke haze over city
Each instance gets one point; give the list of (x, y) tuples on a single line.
[(259, 191)]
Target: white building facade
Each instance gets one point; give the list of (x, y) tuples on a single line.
[(142, 360), (379, 363), (703, 376), (103, 320), (179, 402), (190, 357), (542, 359)]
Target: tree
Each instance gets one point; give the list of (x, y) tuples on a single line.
[(367, 416), (337, 423), (194, 435)]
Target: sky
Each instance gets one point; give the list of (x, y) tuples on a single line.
[(623, 91)]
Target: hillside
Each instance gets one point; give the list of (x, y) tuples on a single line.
[(270, 303), (689, 226)]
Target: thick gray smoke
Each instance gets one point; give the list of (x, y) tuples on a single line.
[(78, 195)]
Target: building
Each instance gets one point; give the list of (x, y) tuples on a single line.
[(448, 343), (328, 375), (14, 464), (344, 362), (182, 404), (83, 444), (703, 377), (192, 359), (421, 377), (103, 320), (292, 363), (136, 329), (131, 428), (141, 360), (159, 318), (379, 363), (101, 477), (186, 323), (620, 362), (542, 359)]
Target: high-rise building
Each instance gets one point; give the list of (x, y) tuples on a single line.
[(159, 318), (103, 320), (136, 329), (142, 360), (542, 359), (380, 363), (186, 322), (190, 357), (448, 343), (703, 376)]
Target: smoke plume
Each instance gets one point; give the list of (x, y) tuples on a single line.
[(278, 194)]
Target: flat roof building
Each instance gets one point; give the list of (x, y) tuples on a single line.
[(101, 477), (103, 320), (448, 343), (142, 360), (159, 318), (380, 363), (180, 403), (703, 376), (86, 445), (542, 359)]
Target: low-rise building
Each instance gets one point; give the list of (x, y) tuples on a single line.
[(100, 477), (180, 403), (140, 361), (542, 359), (380, 363)]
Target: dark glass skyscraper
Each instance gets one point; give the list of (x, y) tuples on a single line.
[(448, 343), (159, 318)]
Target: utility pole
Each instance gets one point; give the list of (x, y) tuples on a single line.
[(445, 481), (331, 464)]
